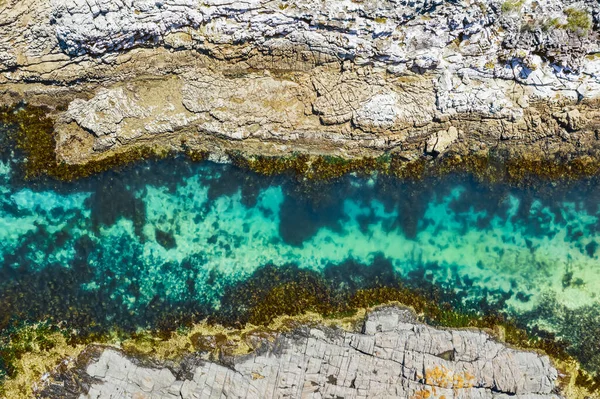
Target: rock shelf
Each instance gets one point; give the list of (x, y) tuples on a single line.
[(393, 355)]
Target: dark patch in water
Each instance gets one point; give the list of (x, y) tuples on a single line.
[(521, 296), (165, 239), (351, 275), (112, 199), (301, 217), (590, 248), (567, 279)]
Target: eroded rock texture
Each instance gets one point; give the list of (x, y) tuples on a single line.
[(351, 78), (393, 356)]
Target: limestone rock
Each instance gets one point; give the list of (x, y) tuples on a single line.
[(392, 356), (103, 114), (440, 141), (346, 78), (572, 120)]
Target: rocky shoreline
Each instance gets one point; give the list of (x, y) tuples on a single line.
[(346, 79), (389, 354), (280, 86)]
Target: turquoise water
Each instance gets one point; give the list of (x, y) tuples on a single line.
[(128, 248)]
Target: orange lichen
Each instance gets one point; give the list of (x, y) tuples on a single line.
[(464, 380), (422, 394), (441, 376)]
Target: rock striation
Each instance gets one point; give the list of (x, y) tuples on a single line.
[(351, 78), (392, 355)]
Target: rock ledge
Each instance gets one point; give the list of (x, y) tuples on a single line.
[(392, 356)]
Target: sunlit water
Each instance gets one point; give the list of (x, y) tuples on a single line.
[(179, 232)]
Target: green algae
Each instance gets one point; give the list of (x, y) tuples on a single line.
[(27, 352), (310, 167), (578, 21), (28, 338)]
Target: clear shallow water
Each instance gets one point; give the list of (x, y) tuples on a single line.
[(175, 235)]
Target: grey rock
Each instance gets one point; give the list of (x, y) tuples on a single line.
[(393, 356)]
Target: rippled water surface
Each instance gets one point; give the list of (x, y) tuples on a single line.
[(174, 234)]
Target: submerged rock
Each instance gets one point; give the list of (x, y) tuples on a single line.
[(393, 355)]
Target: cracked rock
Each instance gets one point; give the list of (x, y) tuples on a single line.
[(393, 356), (343, 78), (440, 141)]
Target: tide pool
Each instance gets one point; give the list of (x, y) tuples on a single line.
[(174, 235)]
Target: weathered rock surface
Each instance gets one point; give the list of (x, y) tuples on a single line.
[(350, 78), (392, 356)]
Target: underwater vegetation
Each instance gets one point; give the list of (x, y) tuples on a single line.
[(147, 242), (29, 129), (256, 306)]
